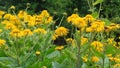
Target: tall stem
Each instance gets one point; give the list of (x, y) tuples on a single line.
[(78, 39)]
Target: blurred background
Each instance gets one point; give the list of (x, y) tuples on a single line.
[(109, 8)]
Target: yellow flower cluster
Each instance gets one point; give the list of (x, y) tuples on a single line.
[(84, 40), (97, 45), (16, 33), (77, 21), (2, 42), (115, 59), (96, 26), (88, 18), (40, 31), (84, 58), (1, 14), (116, 65), (20, 33), (95, 59), (26, 20), (69, 40), (20, 24), (61, 31), (110, 40), (27, 32), (112, 27)]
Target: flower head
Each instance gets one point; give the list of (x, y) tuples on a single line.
[(95, 59), (37, 53), (59, 47), (40, 31), (61, 31), (97, 45), (2, 42)]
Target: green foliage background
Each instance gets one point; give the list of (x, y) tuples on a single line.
[(110, 8)]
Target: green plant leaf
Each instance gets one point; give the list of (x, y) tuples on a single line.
[(95, 14), (107, 22), (53, 54), (110, 49), (97, 2), (56, 65)]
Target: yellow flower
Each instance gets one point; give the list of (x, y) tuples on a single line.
[(7, 16), (115, 59), (45, 13), (0, 30), (37, 53), (97, 45), (61, 31), (114, 26), (89, 18), (74, 44), (84, 40), (12, 7), (44, 67), (59, 47), (89, 29), (95, 59), (109, 55), (85, 58), (98, 26), (69, 40), (54, 37), (31, 21), (72, 17), (27, 32), (110, 40), (108, 28), (10, 26), (38, 20), (2, 42), (49, 20), (16, 33), (1, 13), (116, 65), (21, 14), (79, 22), (40, 31)]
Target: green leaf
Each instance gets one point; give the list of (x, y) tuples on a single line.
[(7, 62), (56, 65), (71, 54), (95, 14), (97, 2), (107, 22), (2, 53), (110, 49), (53, 54)]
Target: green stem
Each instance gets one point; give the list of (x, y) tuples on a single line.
[(61, 21), (99, 10), (78, 39), (17, 52)]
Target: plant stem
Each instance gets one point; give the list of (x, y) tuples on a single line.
[(78, 58), (17, 52), (103, 63), (78, 39), (99, 10), (61, 21)]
